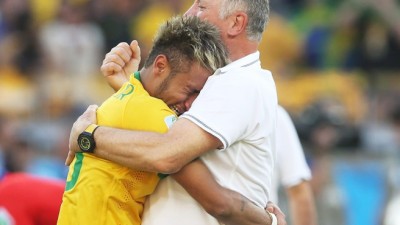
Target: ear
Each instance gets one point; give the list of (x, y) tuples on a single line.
[(238, 24), (161, 65)]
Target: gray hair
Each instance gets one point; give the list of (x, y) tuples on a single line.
[(188, 39), (256, 10)]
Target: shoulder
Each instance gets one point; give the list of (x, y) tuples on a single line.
[(246, 76), (151, 113), (282, 114)]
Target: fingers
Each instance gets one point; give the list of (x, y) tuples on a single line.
[(281, 217), (277, 209), (123, 50), (272, 208), (116, 59), (110, 68), (91, 109), (70, 158), (88, 117), (122, 60)]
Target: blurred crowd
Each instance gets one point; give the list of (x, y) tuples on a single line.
[(336, 65)]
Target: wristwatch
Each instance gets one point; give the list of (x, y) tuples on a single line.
[(86, 139)]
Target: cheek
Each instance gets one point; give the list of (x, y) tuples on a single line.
[(178, 95), (203, 16)]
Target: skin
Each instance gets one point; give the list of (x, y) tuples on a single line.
[(301, 203), (185, 140), (177, 92), (232, 29)]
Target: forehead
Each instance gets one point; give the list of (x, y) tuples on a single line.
[(209, 2), (196, 75)]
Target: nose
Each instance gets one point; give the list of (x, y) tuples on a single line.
[(189, 101), (192, 11)]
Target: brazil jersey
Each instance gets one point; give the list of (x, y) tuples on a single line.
[(104, 193)]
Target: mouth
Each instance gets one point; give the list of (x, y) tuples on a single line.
[(176, 110)]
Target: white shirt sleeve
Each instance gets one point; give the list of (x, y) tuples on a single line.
[(292, 167)]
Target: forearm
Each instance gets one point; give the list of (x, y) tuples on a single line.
[(155, 152), (302, 206), (243, 212), (226, 206), (138, 150)]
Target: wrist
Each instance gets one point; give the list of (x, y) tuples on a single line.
[(86, 140)]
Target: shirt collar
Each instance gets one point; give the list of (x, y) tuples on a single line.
[(251, 59), (137, 76)]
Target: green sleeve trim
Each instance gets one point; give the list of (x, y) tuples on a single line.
[(137, 76), (77, 169), (162, 175)]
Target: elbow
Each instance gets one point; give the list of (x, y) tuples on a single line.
[(218, 209), (165, 158), (166, 166)]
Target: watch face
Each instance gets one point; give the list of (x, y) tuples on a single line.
[(86, 142)]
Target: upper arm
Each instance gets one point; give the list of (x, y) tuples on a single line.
[(300, 192)]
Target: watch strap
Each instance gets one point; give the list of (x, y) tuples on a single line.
[(91, 128)]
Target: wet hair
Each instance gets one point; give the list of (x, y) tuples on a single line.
[(184, 40), (256, 10)]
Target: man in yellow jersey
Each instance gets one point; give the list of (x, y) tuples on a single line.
[(185, 52)]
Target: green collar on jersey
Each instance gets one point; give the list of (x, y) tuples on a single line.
[(137, 76)]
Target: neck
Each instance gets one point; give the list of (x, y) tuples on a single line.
[(246, 47), (145, 79), (148, 80)]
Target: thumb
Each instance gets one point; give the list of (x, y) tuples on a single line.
[(133, 64), (135, 50)]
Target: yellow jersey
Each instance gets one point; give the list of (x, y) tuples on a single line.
[(101, 192)]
